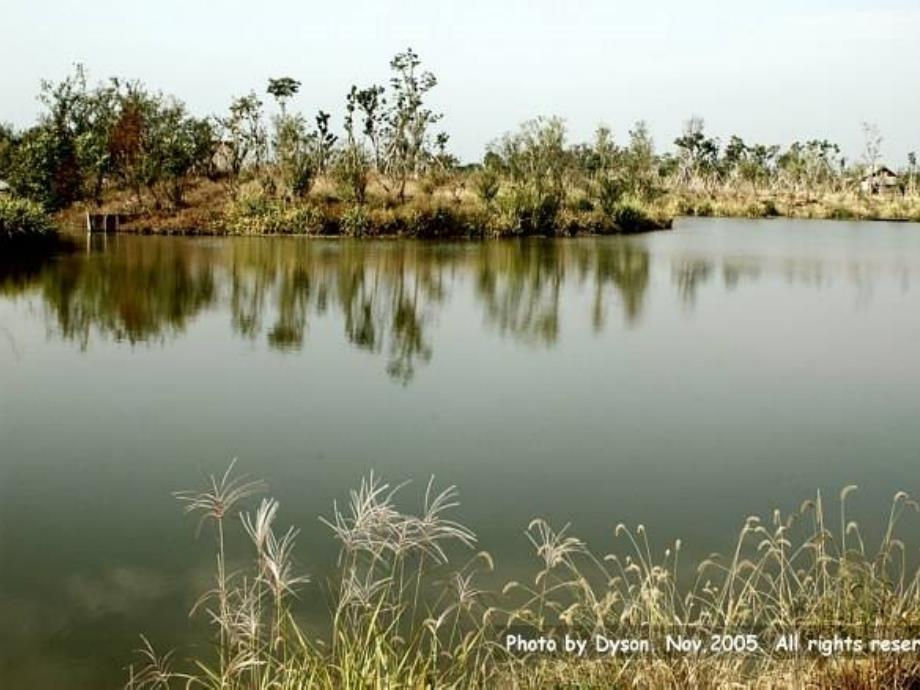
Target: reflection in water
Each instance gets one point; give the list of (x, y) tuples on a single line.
[(387, 294), (689, 274), (138, 293), (680, 379)]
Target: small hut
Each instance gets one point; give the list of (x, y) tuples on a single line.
[(882, 181)]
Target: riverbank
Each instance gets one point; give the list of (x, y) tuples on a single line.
[(797, 602), (211, 209)]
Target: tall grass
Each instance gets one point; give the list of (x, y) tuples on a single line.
[(410, 610)]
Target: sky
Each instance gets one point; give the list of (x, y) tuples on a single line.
[(771, 72)]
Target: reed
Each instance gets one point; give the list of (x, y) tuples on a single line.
[(410, 609)]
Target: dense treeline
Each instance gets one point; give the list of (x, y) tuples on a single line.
[(387, 167)]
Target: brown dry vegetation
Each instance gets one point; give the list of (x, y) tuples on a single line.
[(210, 209)]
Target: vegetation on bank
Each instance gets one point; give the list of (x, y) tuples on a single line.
[(409, 607), (386, 168), (24, 225)]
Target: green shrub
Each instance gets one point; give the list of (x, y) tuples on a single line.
[(583, 204), (256, 214), (532, 212), (608, 191), (487, 183), (24, 222), (355, 221), (631, 216), (439, 221)]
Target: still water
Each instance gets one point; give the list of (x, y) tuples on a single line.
[(682, 379)]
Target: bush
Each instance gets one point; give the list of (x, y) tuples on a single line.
[(440, 221), (23, 223), (355, 221), (533, 213), (487, 183), (256, 214), (770, 209), (631, 216)]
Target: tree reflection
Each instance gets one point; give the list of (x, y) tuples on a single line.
[(519, 283), (133, 292), (385, 294)]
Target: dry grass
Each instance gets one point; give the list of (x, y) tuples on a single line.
[(452, 208), (410, 609)]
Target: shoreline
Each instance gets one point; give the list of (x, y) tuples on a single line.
[(211, 210)]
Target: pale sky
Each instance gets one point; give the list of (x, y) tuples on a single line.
[(771, 71)]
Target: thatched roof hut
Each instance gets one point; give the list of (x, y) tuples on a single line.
[(883, 180)]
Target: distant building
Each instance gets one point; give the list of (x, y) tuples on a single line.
[(882, 181), (5, 188)]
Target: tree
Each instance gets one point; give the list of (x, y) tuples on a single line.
[(100, 114), (8, 140), (178, 146), (126, 142), (537, 161), (325, 141), (371, 103), (282, 89), (408, 120), (45, 165), (244, 139), (639, 162), (295, 154), (811, 164), (353, 165), (156, 144), (697, 153), (751, 163)]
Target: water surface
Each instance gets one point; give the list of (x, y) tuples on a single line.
[(682, 379)]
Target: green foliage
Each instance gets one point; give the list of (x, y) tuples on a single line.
[(810, 164), (295, 154), (244, 140), (608, 191), (355, 221), (487, 183), (178, 145), (282, 89), (631, 216), (532, 212), (407, 120), (640, 168), (119, 135), (44, 167), (395, 129), (351, 170), (537, 163), (24, 223), (258, 214), (7, 146)]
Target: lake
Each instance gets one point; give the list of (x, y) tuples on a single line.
[(682, 379)]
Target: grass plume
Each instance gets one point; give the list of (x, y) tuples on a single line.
[(411, 608)]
